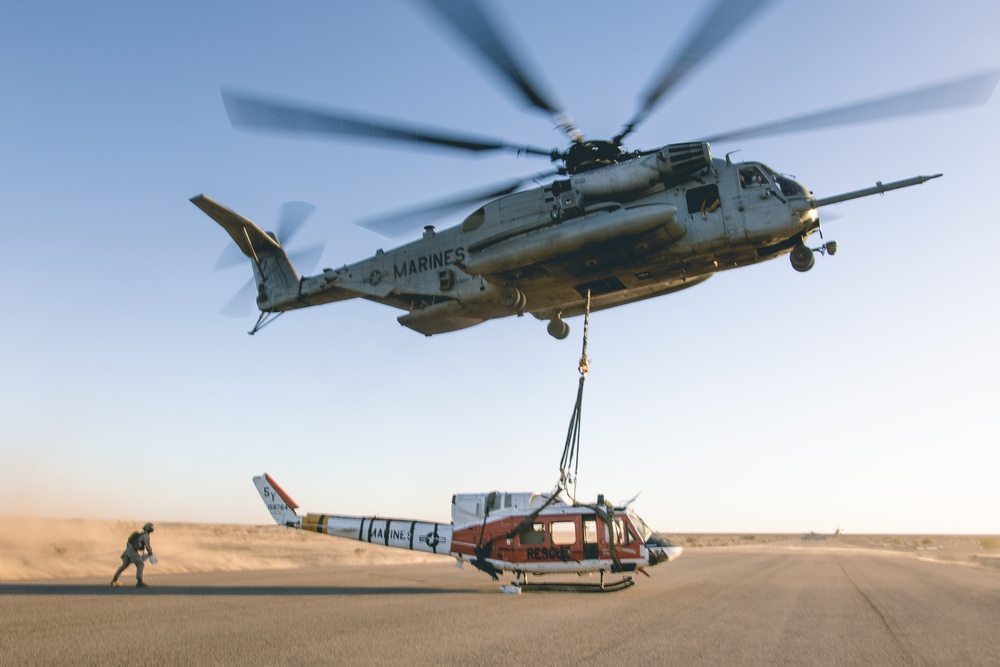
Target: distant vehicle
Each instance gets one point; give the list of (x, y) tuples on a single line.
[(814, 536), (522, 533)]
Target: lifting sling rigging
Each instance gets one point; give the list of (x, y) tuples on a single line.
[(568, 474)]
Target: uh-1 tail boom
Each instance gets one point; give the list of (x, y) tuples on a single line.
[(425, 536)]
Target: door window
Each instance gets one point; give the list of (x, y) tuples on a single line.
[(563, 532)]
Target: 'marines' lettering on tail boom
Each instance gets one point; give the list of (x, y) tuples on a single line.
[(438, 260)]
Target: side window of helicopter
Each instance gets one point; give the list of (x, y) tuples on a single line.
[(703, 200), (533, 534), (563, 532), (752, 177)]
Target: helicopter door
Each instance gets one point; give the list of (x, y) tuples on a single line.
[(590, 546), (759, 202), (736, 201)]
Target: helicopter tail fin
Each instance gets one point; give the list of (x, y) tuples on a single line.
[(279, 504), (277, 281)]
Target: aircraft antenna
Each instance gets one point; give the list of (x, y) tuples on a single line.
[(571, 452)]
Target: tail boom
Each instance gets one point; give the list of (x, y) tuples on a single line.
[(411, 534)]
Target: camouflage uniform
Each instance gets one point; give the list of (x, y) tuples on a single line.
[(131, 555)]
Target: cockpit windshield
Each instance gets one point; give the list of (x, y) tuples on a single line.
[(640, 525), (788, 186), (649, 536)]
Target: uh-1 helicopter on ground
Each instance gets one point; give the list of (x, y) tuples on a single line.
[(523, 533), (622, 225)]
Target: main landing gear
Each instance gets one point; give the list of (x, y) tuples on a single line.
[(523, 584), (803, 257)]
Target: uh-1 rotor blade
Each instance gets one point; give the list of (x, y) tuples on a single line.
[(480, 31), (724, 19), (256, 112), (397, 225), (966, 91)]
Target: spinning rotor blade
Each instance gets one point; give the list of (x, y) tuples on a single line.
[(256, 112), (240, 305), (305, 259), (293, 215), (230, 256), (723, 20), (959, 92), (396, 225), (472, 23)]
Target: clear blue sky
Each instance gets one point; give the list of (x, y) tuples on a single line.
[(861, 395)]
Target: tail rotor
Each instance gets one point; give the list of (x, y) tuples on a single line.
[(290, 222)]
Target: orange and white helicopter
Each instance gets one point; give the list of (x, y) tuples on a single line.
[(523, 533)]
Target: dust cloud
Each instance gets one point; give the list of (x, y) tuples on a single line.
[(34, 548)]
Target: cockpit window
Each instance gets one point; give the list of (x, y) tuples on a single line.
[(752, 177), (789, 188), (640, 525), (787, 185)]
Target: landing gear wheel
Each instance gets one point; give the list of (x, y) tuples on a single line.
[(513, 298), (802, 258), (557, 328)]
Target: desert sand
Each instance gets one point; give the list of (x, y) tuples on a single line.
[(44, 548), (34, 548)]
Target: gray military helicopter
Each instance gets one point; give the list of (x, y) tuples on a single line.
[(620, 225)]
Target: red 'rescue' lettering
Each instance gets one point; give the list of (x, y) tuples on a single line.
[(548, 553)]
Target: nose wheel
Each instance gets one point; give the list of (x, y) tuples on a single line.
[(803, 257), (557, 328)]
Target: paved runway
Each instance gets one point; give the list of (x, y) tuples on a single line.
[(723, 607)]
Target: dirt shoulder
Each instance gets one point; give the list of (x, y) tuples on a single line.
[(57, 548)]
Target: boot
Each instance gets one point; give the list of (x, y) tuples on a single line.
[(139, 584), (115, 582)]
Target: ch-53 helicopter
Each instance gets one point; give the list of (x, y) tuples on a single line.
[(622, 225)]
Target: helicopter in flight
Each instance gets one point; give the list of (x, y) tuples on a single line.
[(622, 225)]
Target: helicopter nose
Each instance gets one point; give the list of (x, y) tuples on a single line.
[(664, 554)]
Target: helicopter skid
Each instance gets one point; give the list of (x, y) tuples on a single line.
[(578, 587)]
